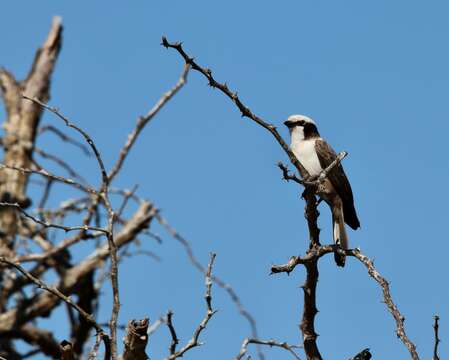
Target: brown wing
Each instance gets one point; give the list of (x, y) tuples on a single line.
[(339, 180)]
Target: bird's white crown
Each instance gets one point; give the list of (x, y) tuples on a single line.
[(296, 118)]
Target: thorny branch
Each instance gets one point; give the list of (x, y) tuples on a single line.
[(137, 337), (244, 110), (311, 216), (319, 179), (311, 211), (315, 253)]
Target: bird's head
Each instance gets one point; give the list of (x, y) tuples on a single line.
[(302, 126)]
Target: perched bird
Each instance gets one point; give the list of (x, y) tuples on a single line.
[(315, 154)]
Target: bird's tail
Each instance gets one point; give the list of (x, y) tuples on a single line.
[(340, 236)]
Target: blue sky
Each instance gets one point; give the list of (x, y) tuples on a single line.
[(373, 75)]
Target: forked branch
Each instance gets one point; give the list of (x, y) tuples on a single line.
[(313, 255), (194, 341), (270, 343)]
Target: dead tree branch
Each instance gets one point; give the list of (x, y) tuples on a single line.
[(64, 137), (319, 179), (136, 340), (437, 339), (398, 317), (171, 328), (315, 253), (270, 343), (104, 194), (54, 291), (144, 120), (244, 110), (20, 129), (59, 162), (193, 342), (49, 175), (307, 324), (47, 224), (66, 351), (46, 301), (34, 336), (217, 280)]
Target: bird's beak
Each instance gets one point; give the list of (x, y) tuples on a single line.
[(289, 124)]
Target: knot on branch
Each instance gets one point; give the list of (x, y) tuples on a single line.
[(136, 340)]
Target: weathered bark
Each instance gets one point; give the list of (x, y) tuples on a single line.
[(20, 130), (309, 311), (20, 134), (136, 340), (34, 336), (87, 300), (66, 350)]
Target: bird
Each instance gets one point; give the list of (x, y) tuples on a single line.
[(315, 154)]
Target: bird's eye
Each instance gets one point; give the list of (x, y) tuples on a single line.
[(302, 122)]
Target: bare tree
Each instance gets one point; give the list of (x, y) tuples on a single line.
[(47, 238), (35, 242)]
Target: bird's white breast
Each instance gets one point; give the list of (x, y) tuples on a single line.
[(305, 152)]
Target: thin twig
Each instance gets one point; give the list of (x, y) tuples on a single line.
[(47, 224), (270, 343), (398, 317), (60, 162), (65, 138), (53, 290), (75, 127), (221, 283), (45, 196), (193, 342), (103, 193), (49, 175), (437, 339), (144, 120), (154, 326), (127, 195)]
